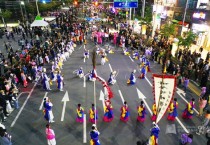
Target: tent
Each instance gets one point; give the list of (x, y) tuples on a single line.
[(39, 22)]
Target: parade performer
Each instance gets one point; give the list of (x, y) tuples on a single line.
[(93, 114), (143, 60), (112, 79), (103, 59), (109, 50), (136, 55), (189, 111), (132, 79), (50, 134), (45, 80), (98, 50), (108, 116), (173, 110), (48, 114), (147, 66), (94, 134), (86, 54), (92, 76), (80, 114), (60, 81), (80, 72), (143, 73), (125, 51), (124, 112), (154, 132), (141, 112), (154, 111)]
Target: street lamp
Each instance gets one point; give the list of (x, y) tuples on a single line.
[(22, 3), (37, 7)]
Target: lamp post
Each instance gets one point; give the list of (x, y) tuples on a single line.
[(23, 4), (21, 11), (37, 7)]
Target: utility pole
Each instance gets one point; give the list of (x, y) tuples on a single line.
[(2, 18), (143, 9), (185, 11)]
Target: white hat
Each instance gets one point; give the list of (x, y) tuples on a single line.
[(44, 69), (134, 71), (114, 72)]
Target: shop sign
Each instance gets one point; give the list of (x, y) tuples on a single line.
[(199, 15)]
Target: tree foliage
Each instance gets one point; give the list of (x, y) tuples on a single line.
[(147, 17), (6, 14), (187, 39), (168, 30)]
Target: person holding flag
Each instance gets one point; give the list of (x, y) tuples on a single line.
[(108, 115), (124, 112)]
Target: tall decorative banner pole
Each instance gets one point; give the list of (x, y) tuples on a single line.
[(94, 82)]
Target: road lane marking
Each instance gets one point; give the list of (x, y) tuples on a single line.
[(141, 96), (24, 104), (110, 67), (65, 99), (131, 59), (21, 94), (85, 129), (80, 47), (182, 125), (45, 95), (179, 91), (192, 88), (121, 96), (84, 59), (148, 81), (84, 82)]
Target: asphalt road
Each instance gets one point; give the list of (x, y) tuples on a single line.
[(29, 125)]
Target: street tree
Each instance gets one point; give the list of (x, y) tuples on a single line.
[(147, 18), (187, 39), (6, 14), (168, 30)]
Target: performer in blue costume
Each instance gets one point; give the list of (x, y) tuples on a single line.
[(112, 79), (80, 72), (60, 81), (92, 76), (136, 55), (86, 54), (94, 134), (154, 134), (48, 115), (143, 73), (148, 66), (132, 79), (93, 114)]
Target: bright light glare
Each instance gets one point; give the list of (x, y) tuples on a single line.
[(44, 2), (22, 2)]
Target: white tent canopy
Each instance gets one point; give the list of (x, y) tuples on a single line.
[(39, 23)]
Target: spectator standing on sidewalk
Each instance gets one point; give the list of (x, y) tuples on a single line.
[(185, 83), (202, 103), (208, 137)]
